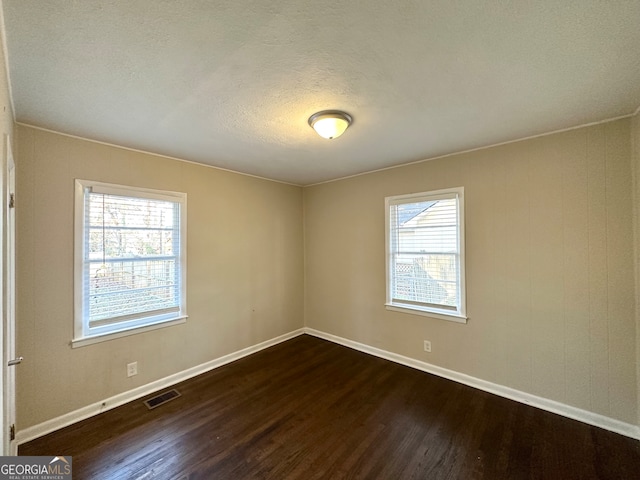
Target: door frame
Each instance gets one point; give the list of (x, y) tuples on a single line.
[(8, 291)]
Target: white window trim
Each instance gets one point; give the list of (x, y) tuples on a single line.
[(81, 334), (459, 315)]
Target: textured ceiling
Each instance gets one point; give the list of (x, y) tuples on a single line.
[(232, 84)]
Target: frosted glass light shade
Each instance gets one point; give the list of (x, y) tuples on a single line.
[(330, 124)]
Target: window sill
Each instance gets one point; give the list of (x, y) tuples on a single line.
[(84, 341), (442, 315)]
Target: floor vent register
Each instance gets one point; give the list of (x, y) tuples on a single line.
[(161, 399)]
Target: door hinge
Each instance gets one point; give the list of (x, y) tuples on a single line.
[(12, 432), (12, 200)]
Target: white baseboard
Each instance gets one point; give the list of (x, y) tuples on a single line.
[(31, 433), (83, 413), (595, 419)]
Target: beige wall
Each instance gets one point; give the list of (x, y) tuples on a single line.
[(244, 277), (6, 115), (549, 259)]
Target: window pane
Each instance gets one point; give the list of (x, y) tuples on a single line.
[(132, 247), (424, 252), (426, 279), (132, 287)]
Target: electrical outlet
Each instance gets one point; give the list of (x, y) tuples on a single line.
[(132, 369), (427, 346)]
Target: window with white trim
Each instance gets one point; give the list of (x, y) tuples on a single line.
[(130, 260), (425, 253)]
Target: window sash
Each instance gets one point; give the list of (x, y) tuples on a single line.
[(425, 256), (97, 300)]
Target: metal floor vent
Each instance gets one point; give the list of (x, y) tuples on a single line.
[(161, 399)]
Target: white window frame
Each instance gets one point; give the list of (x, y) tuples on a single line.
[(457, 314), (83, 333)]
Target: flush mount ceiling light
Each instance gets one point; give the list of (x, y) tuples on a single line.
[(330, 123)]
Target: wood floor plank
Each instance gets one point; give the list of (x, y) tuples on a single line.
[(311, 409)]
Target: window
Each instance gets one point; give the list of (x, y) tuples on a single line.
[(130, 260), (425, 254)]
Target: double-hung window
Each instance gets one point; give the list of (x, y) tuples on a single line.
[(130, 260), (425, 254)]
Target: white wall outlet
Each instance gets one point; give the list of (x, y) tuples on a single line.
[(427, 346), (132, 369)]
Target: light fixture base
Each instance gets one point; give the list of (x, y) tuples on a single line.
[(330, 124)]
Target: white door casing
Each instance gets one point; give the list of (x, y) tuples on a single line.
[(9, 445)]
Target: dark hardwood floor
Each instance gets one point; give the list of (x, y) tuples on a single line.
[(310, 409)]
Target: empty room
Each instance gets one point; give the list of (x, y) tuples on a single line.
[(321, 240)]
